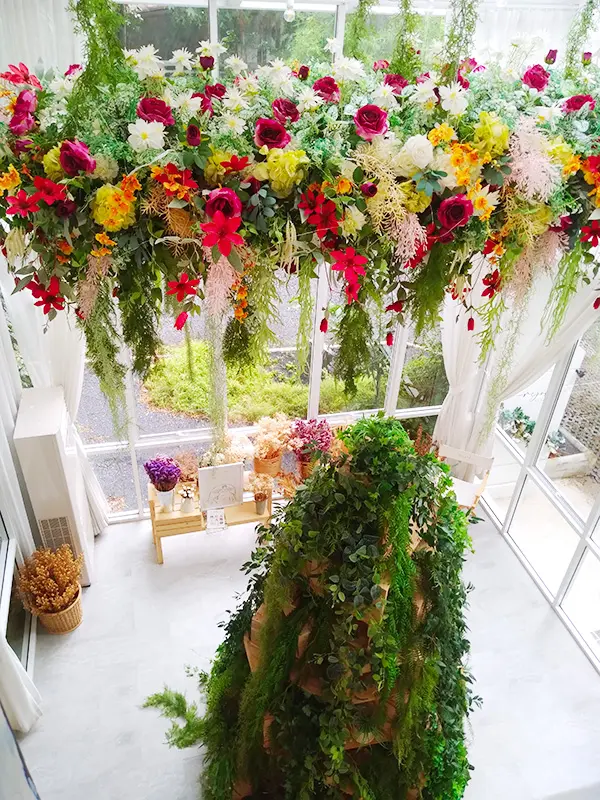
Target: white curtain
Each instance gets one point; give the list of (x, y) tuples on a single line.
[(39, 33), (55, 358), (20, 699)]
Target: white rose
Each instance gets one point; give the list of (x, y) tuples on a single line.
[(419, 150)]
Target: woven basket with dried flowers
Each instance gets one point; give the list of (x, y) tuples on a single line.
[(49, 587)]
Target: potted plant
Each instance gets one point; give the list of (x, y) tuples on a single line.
[(48, 584), (164, 474), (187, 499), (309, 441), (270, 441), (262, 486)]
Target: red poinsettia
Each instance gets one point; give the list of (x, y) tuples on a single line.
[(49, 298), (320, 212), (182, 287), (235, 164), (221, 231), (49, 191), (19, 75), (591, 233), (492, 282), (23, 204), (350, 263)]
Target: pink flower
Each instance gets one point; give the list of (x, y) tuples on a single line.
[(224, 200), (455, 212), (551, 57), (22, 145), (536, 77), (73, 70), (371, 121), (215, 90), (368, 188), (328, 89), (397, 82), (193, 135), (20, 125), (577, 102), (23, 204), (285, 110), (75, 157), (221, 232), (153, 109), (181, 320), (271, 133), (380, 64), (586, 59), (26, 103), (20, 74)]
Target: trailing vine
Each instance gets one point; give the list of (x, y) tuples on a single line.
[(461, 33), (358, 28), (99, 22), (582, 26), (405, 59), (292, 726)]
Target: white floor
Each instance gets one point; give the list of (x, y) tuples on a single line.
[(536, 738)]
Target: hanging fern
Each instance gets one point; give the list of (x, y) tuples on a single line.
[(581, 28), (406, 60), (461, 33), (99, 22), (358, 29)]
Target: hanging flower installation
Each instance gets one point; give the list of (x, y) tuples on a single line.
[(396, 181)]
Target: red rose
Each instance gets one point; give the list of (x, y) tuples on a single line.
[(536, 77), (271, 133), (224, 200), (551, 57), (455, 212), (381, 64), (153, 109), (215, 90), (75, 157), (397, 82), (284, 110), (371, 121), (368, 188), (65, 208), (193, 135), (303, 72), (323, 327), (328, 89), (207, 62), (577, 102)]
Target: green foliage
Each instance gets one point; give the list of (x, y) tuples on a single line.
[(461, 33), (429, 286), (175, 706), (323, 561), (140, 306), (358, 29), (405, 59), (355, 332), (571, 269), (582, 27)]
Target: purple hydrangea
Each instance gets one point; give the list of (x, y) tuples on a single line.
[(163, 472), (310, 439)]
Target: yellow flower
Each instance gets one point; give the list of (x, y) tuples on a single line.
[(285, 169), (52, 166), (441, 134), (559, 151), (572, 166), (9, 179), (344, 186), (491, 135), (414, 200), (214, 171), (112, 209), (541, 215), (105, 239)]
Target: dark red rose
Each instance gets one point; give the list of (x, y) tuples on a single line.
[(193, 135), (271, 133), (551, 57), (397, 82), (389, 339), (251, 185), (455, 212), (75, 157), (328, 89), (65, 208), (577, 102), (215, 90), (224, 200), (153, 109), (206, 106), (324, 326), (371, 121), (368, 188), (207, 62), (303, 72), (285, 111), (536, 77)]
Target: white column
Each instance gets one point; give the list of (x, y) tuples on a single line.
[(318, 341), (396, 367)]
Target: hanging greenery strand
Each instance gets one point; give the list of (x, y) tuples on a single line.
[(461, 33), (99, 22), (405, 60), (358, 28), (581, 28)]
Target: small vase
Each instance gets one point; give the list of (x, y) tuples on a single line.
[(260, 507), (165, 499), (187, 505)]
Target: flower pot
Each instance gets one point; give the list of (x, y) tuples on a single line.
[(66, 620), (267, 466), (187, 505), (260, 507), (306, 468), (165, 499)]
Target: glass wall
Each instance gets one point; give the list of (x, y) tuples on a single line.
[(167, 26)]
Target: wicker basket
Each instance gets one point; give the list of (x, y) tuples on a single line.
[(64, 621), (306, 468), (267, 466)]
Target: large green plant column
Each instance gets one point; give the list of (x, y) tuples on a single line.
[(342, 673)]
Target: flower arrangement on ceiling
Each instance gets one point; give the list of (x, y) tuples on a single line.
[(127, 187)]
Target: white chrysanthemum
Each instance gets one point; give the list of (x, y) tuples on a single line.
[(107, 168), (348, 69), (424, 94), (147, 63), (213, 49), (234, 100), (354, 220), (130, 56), (454, 99), (333, 46), (146, 135), (308, 100), (384, 97), (236, 64), (233, 124), (62, 87), (186, 105), (248, 84), (548, 114), (183, 60), (279, 74)]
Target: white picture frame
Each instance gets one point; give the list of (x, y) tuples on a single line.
[(221, 486)]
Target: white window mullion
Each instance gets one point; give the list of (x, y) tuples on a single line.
[(318, 342)]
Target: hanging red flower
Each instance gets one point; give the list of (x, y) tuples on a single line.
[(221, 231), (350, 263), (395, 307), (324, 326), (591, 233), (389, 339), (352, 290), (492, 282), (182, 287), (23, 204), (49, 298), (597, 303), (470, 324), (181, 320)]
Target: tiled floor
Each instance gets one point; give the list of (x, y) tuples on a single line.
[(536, 738)]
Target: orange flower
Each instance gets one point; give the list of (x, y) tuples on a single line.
[(344, 186), (130, 185), (105, 239), (64, 247), (100, 251), (62, 259)]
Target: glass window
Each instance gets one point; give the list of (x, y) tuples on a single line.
[(167, 27), (115, 475), (259, 36), (503, 478), (542, 534), (424, 381), (17, 628), (582, 601), (519, 413), (383, 31), (95, 422), (570, 456)]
